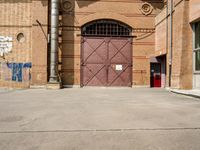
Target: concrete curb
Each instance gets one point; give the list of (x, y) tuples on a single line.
[(186, 94)]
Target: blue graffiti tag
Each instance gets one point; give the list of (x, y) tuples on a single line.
[(28, 65), (17, 69)]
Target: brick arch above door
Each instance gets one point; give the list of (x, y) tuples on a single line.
[(106, 15)]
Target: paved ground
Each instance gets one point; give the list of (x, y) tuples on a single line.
[(98, 119)]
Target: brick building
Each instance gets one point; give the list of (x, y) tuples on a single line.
[(100, 43), (178, 45)]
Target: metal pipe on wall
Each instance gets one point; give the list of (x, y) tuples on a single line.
[(54, 41), (171, 41), (167, 32)]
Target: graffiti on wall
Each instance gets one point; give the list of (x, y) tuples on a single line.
[(5, 45), (19, 72)]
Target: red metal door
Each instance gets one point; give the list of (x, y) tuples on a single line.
[(157, 80), (155, 75), (93, 63), (106, 61), (119, 62)]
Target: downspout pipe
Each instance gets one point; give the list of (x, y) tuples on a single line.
[(171, 42), (167, 31), (54, 42)]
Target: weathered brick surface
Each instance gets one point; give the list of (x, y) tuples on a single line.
[(20, 16), (184, 13), (15, 18), (39, 42), (194, 10), (127, 11)]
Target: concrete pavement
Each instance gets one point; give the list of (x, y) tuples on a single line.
[(98, 118), (193, 92)]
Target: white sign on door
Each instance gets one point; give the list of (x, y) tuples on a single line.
[(118, 67), (5, 45)]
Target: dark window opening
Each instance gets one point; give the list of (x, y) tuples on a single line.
[(106, 28), (197, 46)]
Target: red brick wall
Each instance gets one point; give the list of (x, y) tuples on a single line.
[(15, 18), (127, 11), (182, 44), (39, 42), (20, 17), (194, 10)]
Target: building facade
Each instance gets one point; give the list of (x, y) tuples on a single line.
[(177, 48), (25, 62), (100, 43)]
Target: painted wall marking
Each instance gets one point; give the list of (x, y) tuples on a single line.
[(5, 45), (19, 72)]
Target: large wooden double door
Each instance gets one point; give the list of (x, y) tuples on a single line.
[(106, 61)]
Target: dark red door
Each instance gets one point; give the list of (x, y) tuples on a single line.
[(106, 61), (120, 64), (155, 75)]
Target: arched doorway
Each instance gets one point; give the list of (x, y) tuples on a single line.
[(106, 54)]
